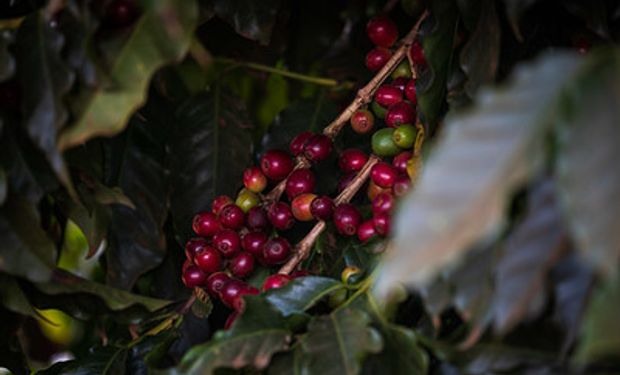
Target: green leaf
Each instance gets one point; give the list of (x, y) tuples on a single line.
[(401, 354), (437, 36), (161, 35), (209, 150), (587, 181), (600, 337), (302, 293), (45, 80), (107, 360), (25, 249), (256, 335), (275, 99), (252, 19), (7, 61), (485, 153), (514, 10), (337, 343), (13, 298)]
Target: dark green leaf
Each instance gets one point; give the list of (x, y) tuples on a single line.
[(252, 19), (161, 35), (25, 249), (108, 360), (209, 150), (302, 293), (7, 61), (13, 298), (401, 354), (337, 343), (19, 8), (586, 163), (515, 9), (594, 13), (3, 187), (45, 79)]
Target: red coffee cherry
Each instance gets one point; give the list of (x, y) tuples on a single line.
[(301, 207), (382, 31), (402, 185), (205, 224), (227, 242), (347, 218), (400, 113), (215, 283), (194, 246), (400, 83), (232, 217), (382, 224), (383, 174), (281, 216), (193, 277), (187, 264), (208, 260), (383, 203), (322, 208), (254, 180), (387, 95), (220, 202), (231, 319), (400, 161), (417, 55), (377, 58), (253, 243), (275, 281), (318, 148), (276, 251), (299, 182), (256, 219), (299, 142), (276, 164), (366, 231), (233, 290), (362, 121), (299, 273), (352, 160), (410, 92), (242, 265)]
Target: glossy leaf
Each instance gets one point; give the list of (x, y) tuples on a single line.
[(161, 35), (252, 19), (484, 154), (302, 293)]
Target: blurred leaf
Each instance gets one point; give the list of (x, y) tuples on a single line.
[(337, 343), (255, 336), (594, 13), (13, 298), (587, 181), (3, 187), (302, 293), (401, 354), (484, 154), (252, 19), (19, 8), (209, 150), (105, 360), (161, 35), (514, 10), (7, 61), (25, 249), (437, 35), (600, 337), (531, 250), (45, 80)]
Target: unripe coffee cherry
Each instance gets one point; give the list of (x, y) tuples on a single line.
[(318, 148), (399, 113), (366, 231), (322, 208), (378, 109), (275, 281), (208, 260), (383, 203), (299, 182), (193, 277), (276, 251), (227, 242), (403, 70), (299, 142), (351, 275), (253, 243), (301, 207), (280, 216), (400, 161), (231, 217), (387, 95), (194, 246), (362, 121), (246, 200), (276, 164), (410, 92), (383, 174), (352, 160), (256, 219), (404, 136), (377, 58), (220, 202), (254, 180), (242, 265), (215, 282), (383, 143), (382, 224), (347, 218), (205, 224), (382, 31)]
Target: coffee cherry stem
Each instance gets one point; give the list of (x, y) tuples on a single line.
[(303, 248)]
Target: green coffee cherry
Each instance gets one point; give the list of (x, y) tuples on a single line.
[(351, 275), (383, 143), (404, 135), (246, 200), (378, 110), (402, 70)]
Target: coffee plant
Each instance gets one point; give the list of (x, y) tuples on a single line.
[(283, 187)]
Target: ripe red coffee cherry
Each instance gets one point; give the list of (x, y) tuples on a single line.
[(220, 202), (276, 251), (194, 246), (318, 148), (383, 203), (253, 242), (193, 277), (186, 264), (205, 224), (299, 273), (232, 217), (276, 164), (400, 83), (322, 208), (227, 242), (410, 92), (275, 281), (299, 182), (281, 216), (382, 224), (382, 31), (256, 219), (402, 185), (383, 174), (208, 260), (417, 55), (254, 180), (215, 283), (399, 113), (242, 265), (387, 95), (347, 218), (362, 121), (345, 180), (301, 207), (352, 160), (400, 161), (233, 290), (366, 231), (377, 57), (121, 13), (299, 142)]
